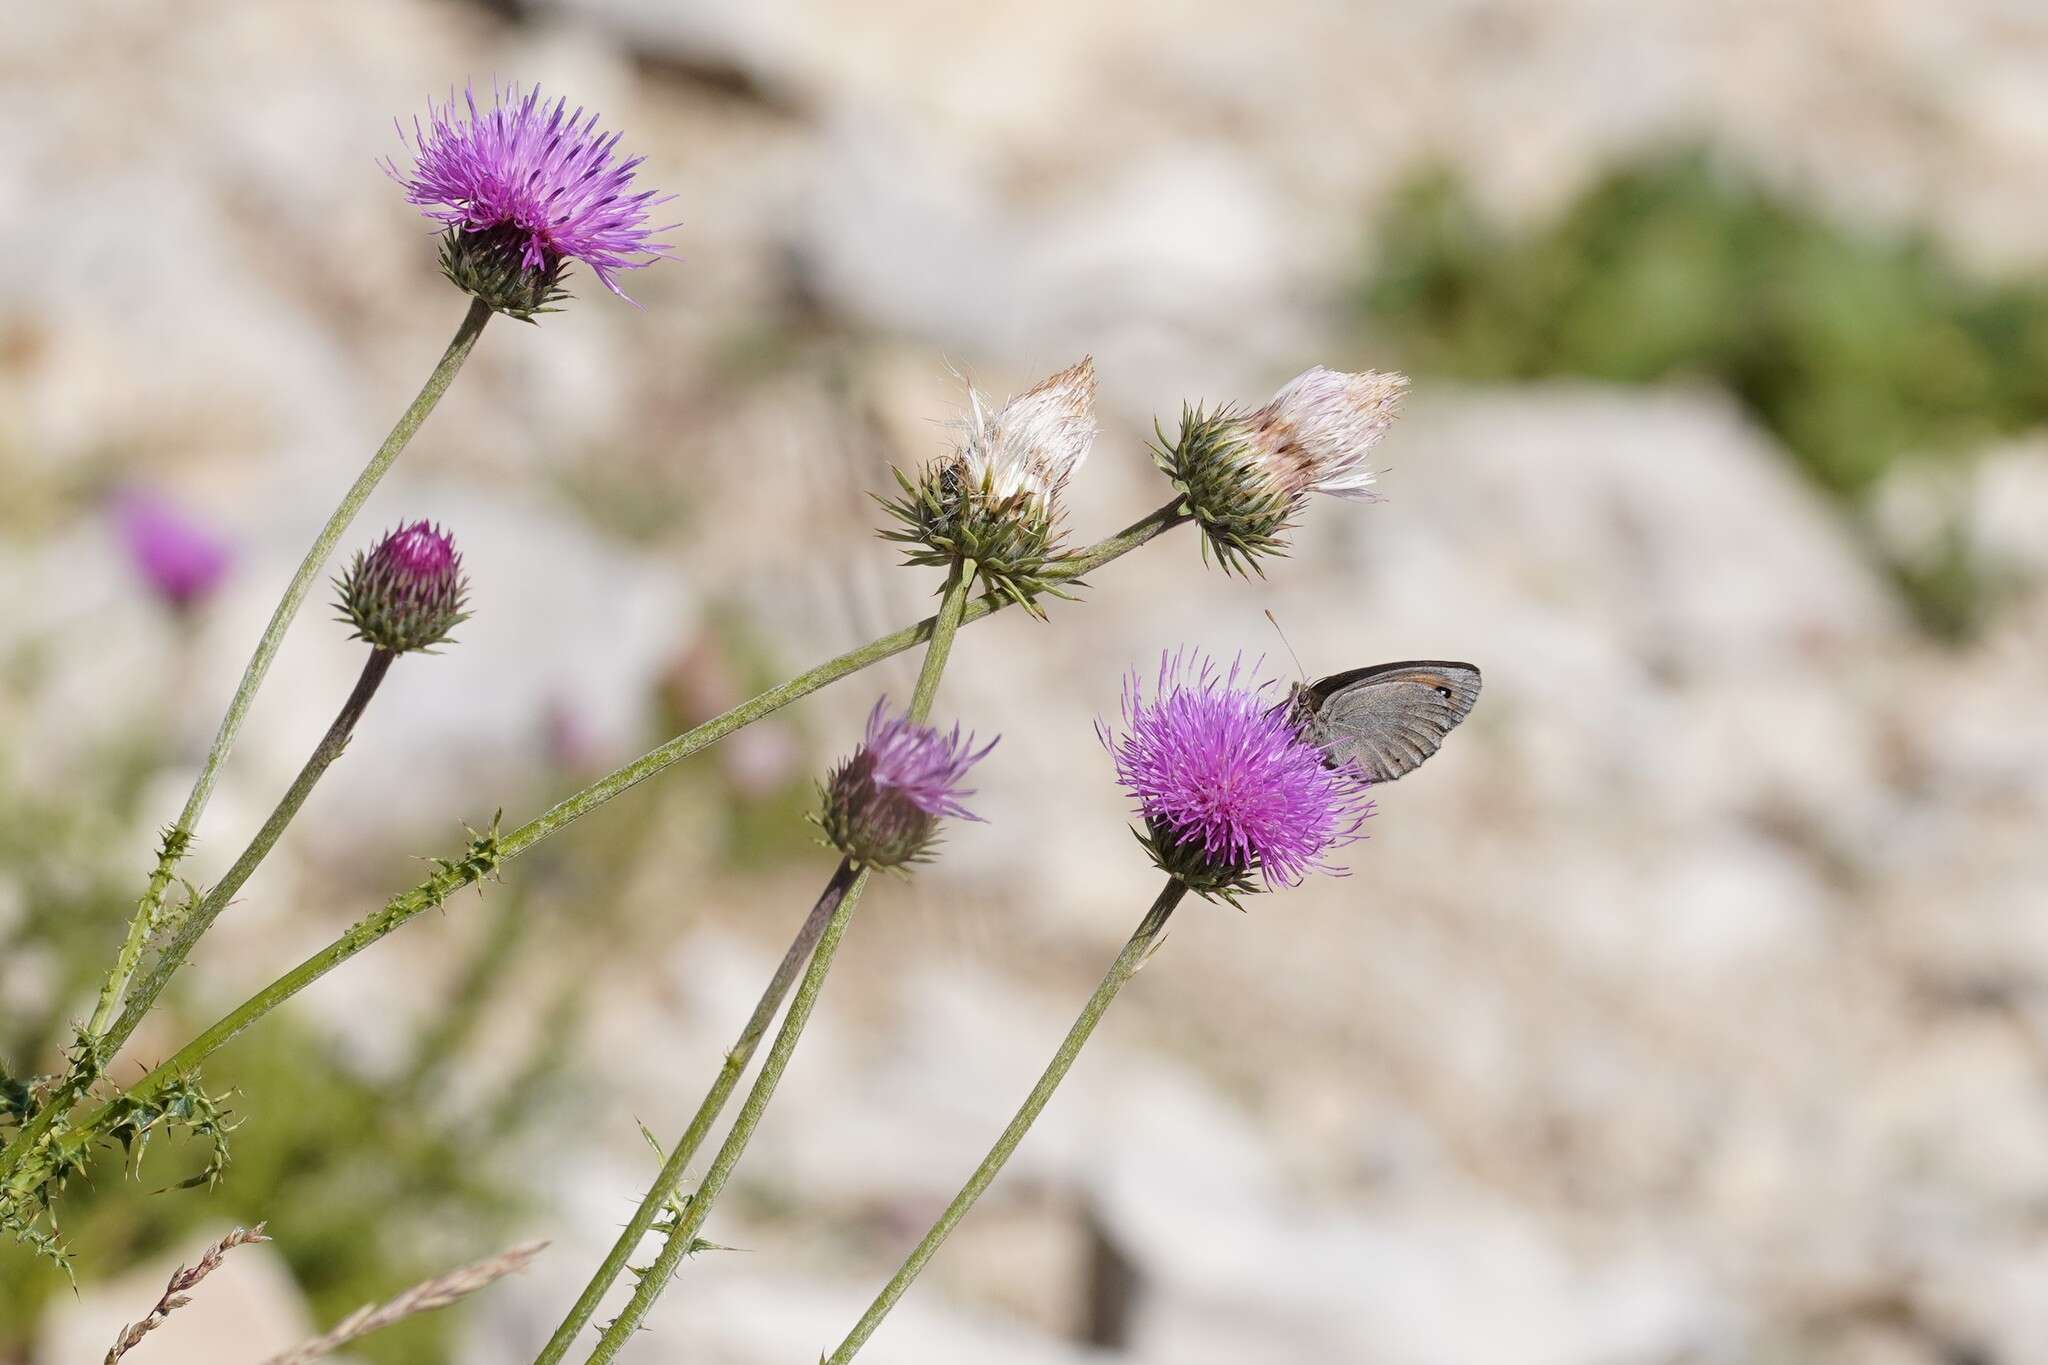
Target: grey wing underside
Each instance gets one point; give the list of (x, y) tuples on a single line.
[(1390, 718)]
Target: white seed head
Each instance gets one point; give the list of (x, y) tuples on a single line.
[(1316, 433), (1035, 442)]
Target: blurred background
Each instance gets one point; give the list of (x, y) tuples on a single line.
[(1688, 1008)]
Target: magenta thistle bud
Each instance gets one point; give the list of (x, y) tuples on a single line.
[(1226, 783), (524, 189), (1246, 476), (996, 498), (182, 561), (883, 805), (408, 592)]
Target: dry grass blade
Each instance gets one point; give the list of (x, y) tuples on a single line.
[(424, 1297), (174, 1295)]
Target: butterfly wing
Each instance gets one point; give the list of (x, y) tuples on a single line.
[(1389, 718)]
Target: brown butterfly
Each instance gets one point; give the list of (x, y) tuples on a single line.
[(1389, 718)]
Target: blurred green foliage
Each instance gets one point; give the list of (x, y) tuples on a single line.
[(1854, 348), (367, 1188), (363, 1198)]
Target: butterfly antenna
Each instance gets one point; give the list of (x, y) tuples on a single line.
[(1286, 645)]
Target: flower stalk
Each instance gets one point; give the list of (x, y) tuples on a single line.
[(835, 904), (1230, 790), (682, 1236), (737, 1057), (945, 625), (200, 917), (178, 839), (100, 1047), (1136, 951)]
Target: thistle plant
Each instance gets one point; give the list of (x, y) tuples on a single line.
[(490, 850), (31, 1162), (407, 593), (1232, 794), (990, 509), (523, 190), (993, 504), (879, 809), (882, 806), (1233, 799), (1246, 476), (521, 173), (403, 596), (885, 803)]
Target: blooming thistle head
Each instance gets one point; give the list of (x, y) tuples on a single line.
[(523, 189), (182, 561), (1245, 476), (408, 592), (1227, 783), (996, 498), (882, 806)]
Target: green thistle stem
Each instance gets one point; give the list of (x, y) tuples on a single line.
[(670, 1180), (403, 908), (200, 917), (1136, 950), (682, 1237), (952, 606), (178, 838), (844, 887)]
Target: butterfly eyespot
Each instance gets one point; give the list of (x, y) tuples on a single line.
[(1444, 692)]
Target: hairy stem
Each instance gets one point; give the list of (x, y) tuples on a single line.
[(952, 606), (682, 1237), (178, 839), (945, 625), (199, 918), (729, 1072), (402, 908), (1136, 949)]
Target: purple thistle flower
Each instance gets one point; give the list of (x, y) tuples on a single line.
[(181, 560), (884, 804), (1227, 784), (408, 592), (419, 555), (542, 181), (922, 764)]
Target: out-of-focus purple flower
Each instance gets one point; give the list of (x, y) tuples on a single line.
[(1226, 783), (182, 560), (408, 592), (884, 804), (537, 178)]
